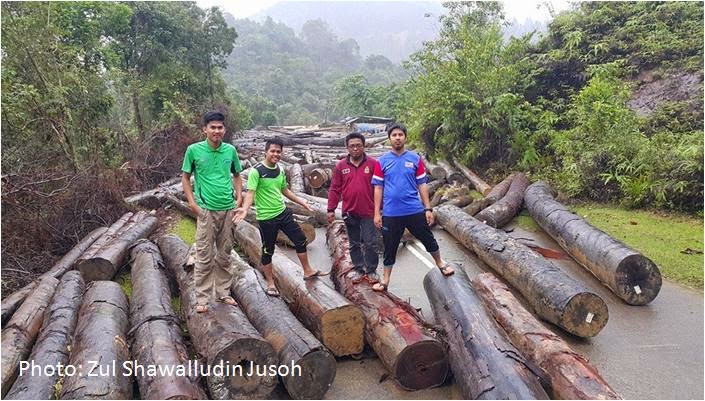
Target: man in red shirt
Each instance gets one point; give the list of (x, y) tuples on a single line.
[(352, 180)]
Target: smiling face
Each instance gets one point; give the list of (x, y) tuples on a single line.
[(273, 154), (398, 138), (214, 133)]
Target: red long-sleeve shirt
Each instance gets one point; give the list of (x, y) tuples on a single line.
[(354, 185)]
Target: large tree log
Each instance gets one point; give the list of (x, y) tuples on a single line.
[(475, 180), (327, 314), (451, 175), (437, 172), (554, 295), (105, 262), (404, 342), (318, 204), (54, 340), (22, 329), (101, 338), (571, 376), (497, 192), (153, 198), (223, 334), (320, 177), (628, 273), (484, 363), (13, 301), (503, 211), (155, 334), (295, 176), (292, 342)]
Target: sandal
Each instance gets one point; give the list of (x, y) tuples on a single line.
[(272, 292), (318, 273), (380, 287), (201, 308), (228, 300), (446, 269)]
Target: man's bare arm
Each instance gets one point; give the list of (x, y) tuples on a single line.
[(188, 191)]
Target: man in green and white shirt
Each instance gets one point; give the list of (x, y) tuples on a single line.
[(266, 186), (216, 169)]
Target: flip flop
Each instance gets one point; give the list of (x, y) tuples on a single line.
[(445, 271), (228, 300), (272, 292), (318, 273), (201, 308), (380, 287)]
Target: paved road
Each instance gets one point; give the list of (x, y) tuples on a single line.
[(644, 352)]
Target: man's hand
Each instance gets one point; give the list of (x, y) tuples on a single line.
[(194, 208), (429, 217), (306, 206), (331, 217), (239, 215), (378, 221)]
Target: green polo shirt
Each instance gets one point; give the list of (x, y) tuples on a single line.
[(212, 169), (268, 184)]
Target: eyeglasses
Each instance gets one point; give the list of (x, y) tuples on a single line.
[(356, 146)]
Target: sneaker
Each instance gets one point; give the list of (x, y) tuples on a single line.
[(355, 276), (373, 277)]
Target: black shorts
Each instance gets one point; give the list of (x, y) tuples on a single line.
[(393, 230), (268, 230)]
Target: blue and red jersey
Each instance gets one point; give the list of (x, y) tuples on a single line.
[(400, 176), (353, 184)]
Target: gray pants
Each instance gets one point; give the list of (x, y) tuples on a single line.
[(362, 235), (213, 274)]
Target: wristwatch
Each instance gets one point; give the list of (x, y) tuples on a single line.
[(428, 209)]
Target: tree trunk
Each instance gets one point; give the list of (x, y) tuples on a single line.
[(330, 317), (480, 185), (404, 342), (451, 174), (484, 363), (106, 261), (504, 210), (320, 177), (101, 338), (291, 341), (296, 178), (555, 296), (436, 171), (493, 196), (221, 335), (136, 109), (629, 274), (572, 377), (154, 198), (22, 329), (155, 333), (54, 339), (13, 301)]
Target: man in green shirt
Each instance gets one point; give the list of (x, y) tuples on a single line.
[(266, 184), (217, 168)]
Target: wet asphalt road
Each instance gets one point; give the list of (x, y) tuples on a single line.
[(644, 352)]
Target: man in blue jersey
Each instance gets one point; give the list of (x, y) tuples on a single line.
[(399, 178)]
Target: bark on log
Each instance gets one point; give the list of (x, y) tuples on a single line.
[(480, 185), (484, 363), (434, 186), (460, 201), (289, 338), (295, 176), (435, 171), (180, 205), (328, 315), (308, 168), (319, 206), (155, 334), (54, 340), (451, 175), (22, 329), (629, 274), (554, 295), (497, 192), (404, 342), (13, 301), (105, 262), (320, 177), (571, 376), (101, 336), (438, 195), (154, 198), (223, 334), (504, 210)]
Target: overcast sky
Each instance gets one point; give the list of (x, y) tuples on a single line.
[(519, 9)]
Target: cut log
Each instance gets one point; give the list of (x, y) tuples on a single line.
[(22, 329), (180, 205), (155, 334), (504, 210), (105, 262), (407, 345), (571, 376), (435, 171), (221, 335), (460, 201), (320, 177), (13, 301), (438, 195), (318, 204), (629, 274), (554, 295), (484, 363), (451, 175), (497, 192), (480, 185), (434, 186), (154, 198), (295, 176), (100, 346), (54, 340), (289, 338), (336, 322)]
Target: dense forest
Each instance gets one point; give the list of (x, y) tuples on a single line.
[(100, 99)]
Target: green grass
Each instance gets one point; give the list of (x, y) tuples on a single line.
[(125, 281), (659, 236), (185, 228)]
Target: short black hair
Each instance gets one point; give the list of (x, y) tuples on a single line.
[(273, 141), (392, 126), (354, 135), (213, 116)]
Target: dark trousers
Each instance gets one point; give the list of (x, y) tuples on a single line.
[(362, 236), (393, 229), (268, 230)]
